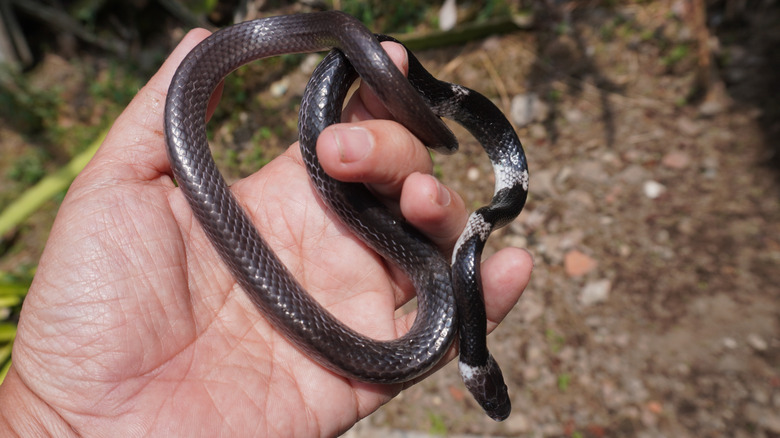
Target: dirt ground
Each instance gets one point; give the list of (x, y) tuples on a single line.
[(655, 227), (654, 221)]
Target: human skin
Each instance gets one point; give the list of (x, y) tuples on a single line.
[(134, 327)]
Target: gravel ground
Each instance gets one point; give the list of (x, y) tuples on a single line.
[(654, 223)]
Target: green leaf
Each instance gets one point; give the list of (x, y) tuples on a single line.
[(4, 369), (32, 198), (5, 352), (13, 289), (7, 332), (9, 301)]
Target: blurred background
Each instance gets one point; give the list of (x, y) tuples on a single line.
[(651, 129)]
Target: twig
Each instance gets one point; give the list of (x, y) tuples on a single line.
[(64, 22), (466, 33), (14, 44), (497, 81)]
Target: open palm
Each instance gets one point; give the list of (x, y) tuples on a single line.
[(134, 327)]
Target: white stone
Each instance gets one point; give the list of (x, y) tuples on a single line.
[(448, 15), (653, 189), (528, 108), (757, 342), (595, 292)]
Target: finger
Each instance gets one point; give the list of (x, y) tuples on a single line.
[(505, 276), (135, 146), (376, 152), (434, 209), (365, 105)]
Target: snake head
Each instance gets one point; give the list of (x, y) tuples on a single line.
[(486, 385)]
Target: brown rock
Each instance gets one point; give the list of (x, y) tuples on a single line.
[(676, 160), (578, 264)]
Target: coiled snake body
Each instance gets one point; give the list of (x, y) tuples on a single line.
[(448, 293)]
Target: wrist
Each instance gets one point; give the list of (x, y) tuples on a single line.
[(23, 413)]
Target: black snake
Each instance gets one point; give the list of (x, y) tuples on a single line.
[(448, 293)]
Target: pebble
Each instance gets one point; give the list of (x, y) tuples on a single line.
[(573, 115), (448, 15), (280, 87), (516, 241), (473, 173), (591, 171), (685, 226), (572, 239), (533, 219), (534, 354), (653, 189), (580, 198), (713, 105), (543, 184), (633, 174), (538, 132), (760, 396), (710, 167), (563, 175), (530, 308), (622, 340), (729, 343), (517, 423), (595, 292), (577, 264), (549, 247), (683, 369), (309, 63), (531, 373), (688, 127), (757, 342), (676, 160), (528, 108), (763, 417)]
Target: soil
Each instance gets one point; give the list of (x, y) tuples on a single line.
[(653, 218)]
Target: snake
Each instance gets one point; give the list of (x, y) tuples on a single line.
[(450, 302)]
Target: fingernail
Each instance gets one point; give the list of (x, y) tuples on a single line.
[(354, 143), (443, 196)]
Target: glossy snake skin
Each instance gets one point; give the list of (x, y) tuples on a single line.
[(450, 298)]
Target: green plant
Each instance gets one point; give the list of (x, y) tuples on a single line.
[(563, 381), (53, 184), (555, 340), (383, 16), (13, 289), (30, 110), (675, 55), (494, 8), (5, 360), (28, 168), (438, 427)]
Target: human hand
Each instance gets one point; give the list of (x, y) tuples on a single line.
[(133, 326)]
